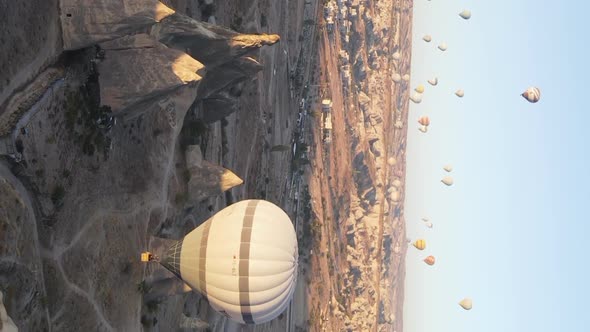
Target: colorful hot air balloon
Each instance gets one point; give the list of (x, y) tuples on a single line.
[(424, 120), (420, 244), (532, 94), (430, 260), (419, 88), (243, 260), (466, 304), (466, 14)]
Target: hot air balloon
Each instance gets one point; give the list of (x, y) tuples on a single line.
[(465, 14), (460, 93), (448, 168), (416, 98), (433, 81), (430, 260), (396, 78), (532, 94), (423, 129), (466, 304), (428, 224), (442, 47), (447, 180), (406, 77), (396, 56), (419, 88), (420, 244), (427, 38), (424, 120), (243, 260)]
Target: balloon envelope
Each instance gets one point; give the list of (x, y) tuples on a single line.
[(448, 168), (532, 94), (442, 47), (466, 304), (243, 260), (466, 14), (447, 180), (427, 38), (460, 93), (430, 260), (424, 120), (420, 244), (433, 81)]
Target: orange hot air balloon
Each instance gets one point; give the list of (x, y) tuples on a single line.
[(429, 260), (425, 121)]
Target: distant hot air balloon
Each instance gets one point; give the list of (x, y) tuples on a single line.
[(466, 304), (424, 120), (243, 260), (447, 180), (448, 168), (416, 98), (406, 77), (532, 94), (466, 14), (419, 88), (427, 38), (420, 244), (396, 78), (425, 219), (428, 224), (396, 56), (460, 93), (430, 260), (442, 47), (423, 129), (433, 81)]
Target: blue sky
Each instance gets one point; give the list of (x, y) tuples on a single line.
[(511, 232)]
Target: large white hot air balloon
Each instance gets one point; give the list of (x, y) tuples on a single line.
[(532, 94), (465, 14), (460, 93), (427, 38), (243, 260), (442, 47)]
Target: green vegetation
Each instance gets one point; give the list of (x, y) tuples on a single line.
[(279, 148), (81, 116), (58, 195)]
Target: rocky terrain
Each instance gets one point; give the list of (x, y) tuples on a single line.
[(362, 245), (133, 119)]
